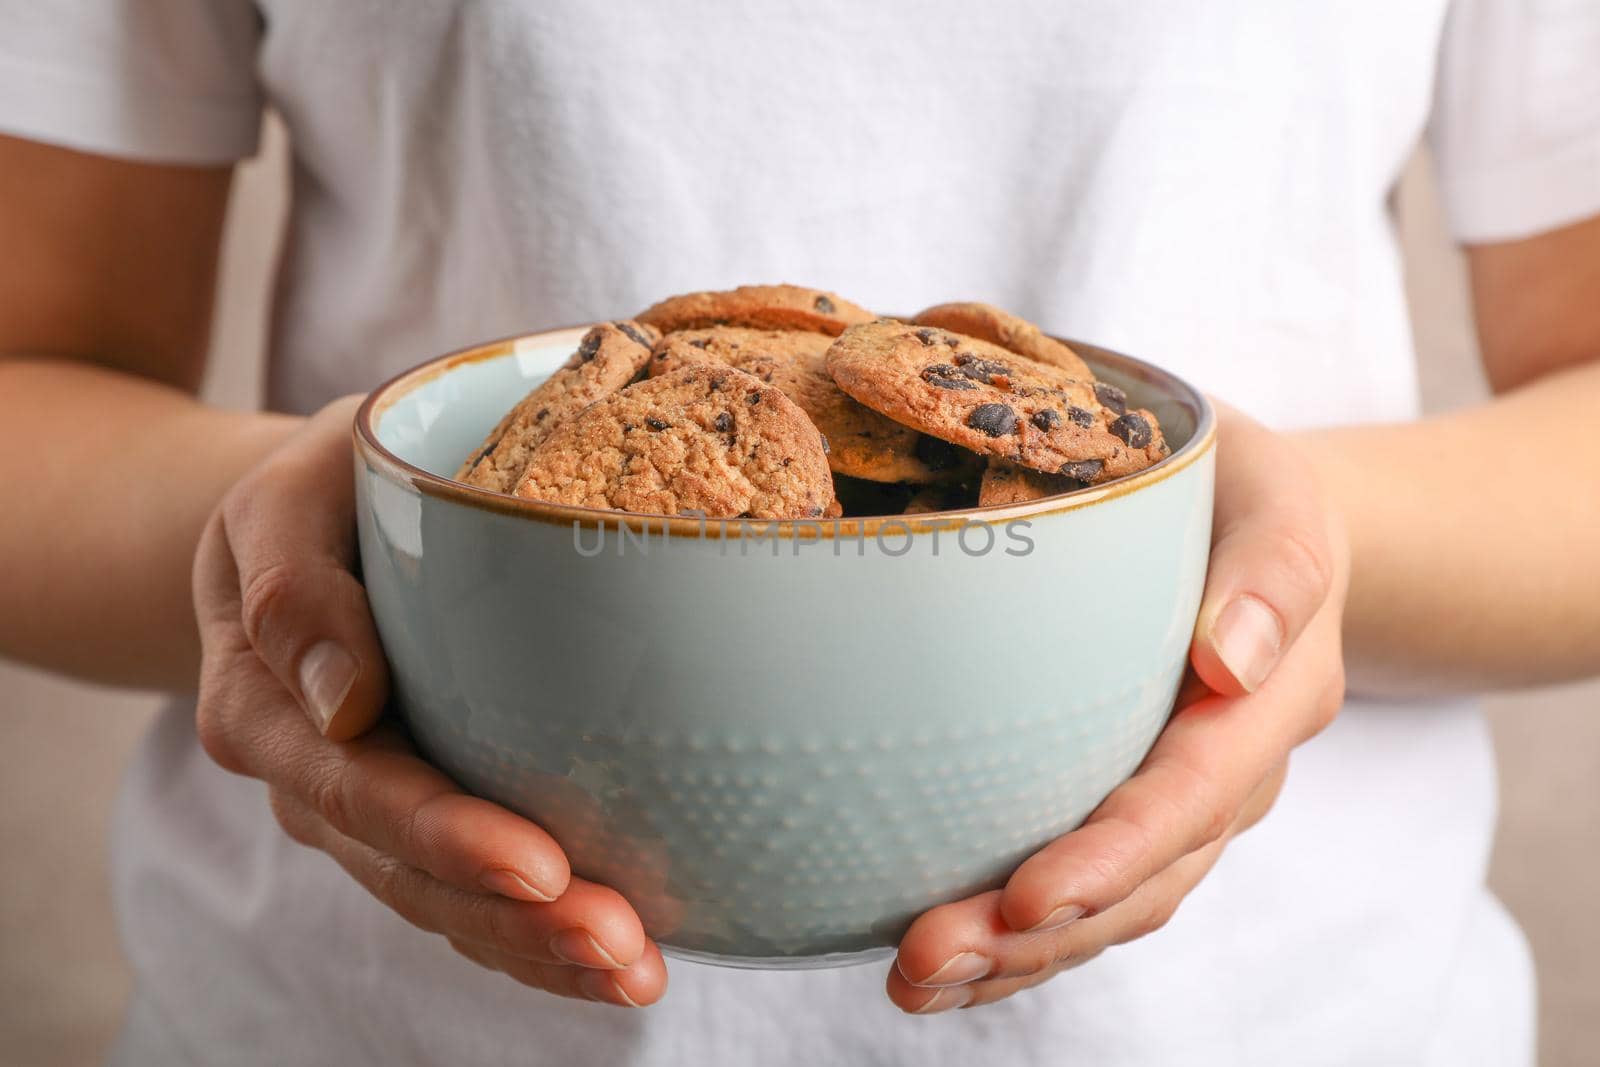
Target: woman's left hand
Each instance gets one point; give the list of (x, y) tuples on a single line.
[(1267, 674)]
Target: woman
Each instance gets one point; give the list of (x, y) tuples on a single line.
[(1202, 184)]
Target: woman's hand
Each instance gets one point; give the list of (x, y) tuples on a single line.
[(292, 681), (1267, 674)]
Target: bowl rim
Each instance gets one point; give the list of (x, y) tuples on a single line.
[(379, 458)]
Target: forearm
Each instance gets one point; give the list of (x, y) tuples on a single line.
[(109, 481), (1475, 541)]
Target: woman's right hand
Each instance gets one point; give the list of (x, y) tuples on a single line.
[(292, 687)]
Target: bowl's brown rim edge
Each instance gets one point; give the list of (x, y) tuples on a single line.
[(397, 470)]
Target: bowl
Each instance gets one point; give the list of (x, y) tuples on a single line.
[(780, 740)]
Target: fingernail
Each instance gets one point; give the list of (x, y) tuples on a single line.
[(946, 999), (1058, 918), (579, 947), (327, 672), (600, 986), (962, 967), (508, 883), (1247, 637)]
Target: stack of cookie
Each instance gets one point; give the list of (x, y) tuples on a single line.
[(772, 402)]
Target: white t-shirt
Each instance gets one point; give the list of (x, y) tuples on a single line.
[(1203, 184)]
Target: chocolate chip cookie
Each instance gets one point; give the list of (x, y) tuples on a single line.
[(1005, 482), (608, 358), (1011, 332), (980, 396), (949, 497), (705, 439), (862, 443), (768, 307)]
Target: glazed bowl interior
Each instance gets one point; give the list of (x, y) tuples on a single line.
[(781, 741)]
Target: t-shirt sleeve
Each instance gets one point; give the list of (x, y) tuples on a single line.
[(169, 81), (1516, 122)]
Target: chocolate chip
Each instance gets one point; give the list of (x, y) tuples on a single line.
[(824, 305), (936, 454), (984, 370), (945, 376), (996, 420), (1046, 420), (814, 511), (1111, 397), (786, 461), (1133, 429), (628, 427), (699, 342), (590, 345), (542, 413), (633, 332), (1084, 470), (723, 422), (925, 335), (1081, 416), (753, 399), (967, 359), (654, 423), (485, 453)]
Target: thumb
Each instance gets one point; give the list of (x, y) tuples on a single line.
[(290, 525), (1272, 564)]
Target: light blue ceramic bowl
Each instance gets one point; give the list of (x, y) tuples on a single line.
[(785, 740)]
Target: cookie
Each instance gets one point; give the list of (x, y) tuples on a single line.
[(931, 498), (859, 497), (980, 396), (989, 323), (768, 307), (1005, 482), (608, 358), (862, 443), (703, 439)]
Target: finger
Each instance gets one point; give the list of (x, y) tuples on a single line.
[(991, 959), (232, 677), (290, 526), (1191, 787), (1015, 961), (920, 1000), (1001, 988), (969, 941), (589, 925), (1272, 564), (379, 792), (1261, 801), (637, 986), (374, 789)]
